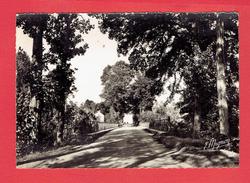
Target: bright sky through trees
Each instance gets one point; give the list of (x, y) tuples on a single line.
[(102, 52)]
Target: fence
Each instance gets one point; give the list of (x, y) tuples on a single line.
[(163, 124), (104, 126)]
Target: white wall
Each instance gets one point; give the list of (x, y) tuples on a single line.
[(128, 118), (99, 116)]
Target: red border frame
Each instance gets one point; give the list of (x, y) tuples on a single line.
[(8, 171)]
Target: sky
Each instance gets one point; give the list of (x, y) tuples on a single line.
[(102, 51)]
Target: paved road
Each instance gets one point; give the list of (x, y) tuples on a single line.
[(127, 147)]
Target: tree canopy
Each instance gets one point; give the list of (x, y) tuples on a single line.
[(163, 44)]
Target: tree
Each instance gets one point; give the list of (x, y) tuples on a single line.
[(141, 95), (90, 106), (155, 46), (199, 94), (35, 25), (221, 78), (156, 41), (24, 121), (104, 109), (116, 80), (64, 40), (63, 35), (217, 23)]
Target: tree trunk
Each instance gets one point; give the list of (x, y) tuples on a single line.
[(221, 79), (61, 92), (106, 116), (135, 119), (136, 114), (36, 93), (196, 124), (60, 129), (120, 118), (61, 123)]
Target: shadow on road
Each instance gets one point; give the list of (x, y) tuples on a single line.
[(132, 147)]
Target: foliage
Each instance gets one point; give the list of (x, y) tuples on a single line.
[(47, 92), (153, 39), (127, 90), (31, 23), (90, 105), (168, 119), (64, 45), (142, 93), (25, 132), (162, 45), (116, 80), (64, 40)]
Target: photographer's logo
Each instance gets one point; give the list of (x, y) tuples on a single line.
[(215, 145)]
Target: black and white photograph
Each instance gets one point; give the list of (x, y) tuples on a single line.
[(127, 90)]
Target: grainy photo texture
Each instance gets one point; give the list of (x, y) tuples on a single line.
[(127, 90)]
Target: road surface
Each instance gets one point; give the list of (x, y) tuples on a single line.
[(128, 147)]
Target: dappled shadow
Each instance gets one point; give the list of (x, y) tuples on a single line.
[(206, 158), (59, 152), (116, 150), (132, 147), (63, 151)]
